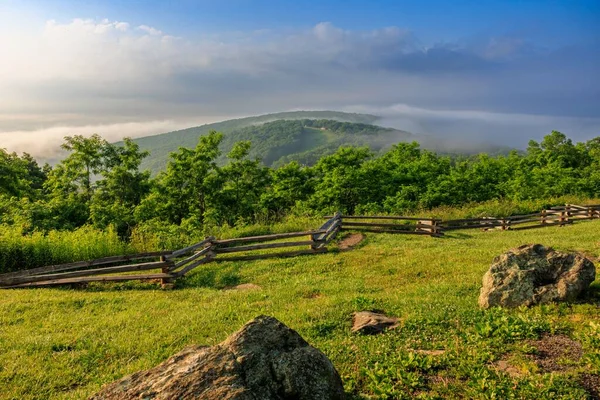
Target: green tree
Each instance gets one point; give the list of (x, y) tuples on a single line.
[(184, 190), (121, 188)]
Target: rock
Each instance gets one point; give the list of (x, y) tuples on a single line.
[(263, 360), (534, 274), (370, 323)]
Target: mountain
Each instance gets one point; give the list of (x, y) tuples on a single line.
[(270, 142), (303, 136)]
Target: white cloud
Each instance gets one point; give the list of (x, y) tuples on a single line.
[(87, 75)]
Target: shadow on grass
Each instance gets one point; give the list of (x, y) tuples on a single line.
[(592, 295), (211, 276)]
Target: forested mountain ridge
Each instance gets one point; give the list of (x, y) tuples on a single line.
[(160, 146)]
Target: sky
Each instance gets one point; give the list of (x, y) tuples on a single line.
[(501, 72)]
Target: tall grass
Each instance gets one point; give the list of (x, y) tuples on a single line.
[(20, 251)]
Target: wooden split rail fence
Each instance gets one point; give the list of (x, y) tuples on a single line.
[(166, 266), (555, 216), (392, 224)]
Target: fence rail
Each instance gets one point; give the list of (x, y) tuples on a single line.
[(175, 264)]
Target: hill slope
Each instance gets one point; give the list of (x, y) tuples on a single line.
[(161, 145), (445, 347)]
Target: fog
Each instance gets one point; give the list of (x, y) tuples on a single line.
[(112, 78)]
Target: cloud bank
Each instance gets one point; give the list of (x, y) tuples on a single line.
[(109, 77)]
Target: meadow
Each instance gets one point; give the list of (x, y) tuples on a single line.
[(65, 343)]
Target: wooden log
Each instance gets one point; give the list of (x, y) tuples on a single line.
[(181, 252), (382, 230), (461, 221), (265, 238), (327, 226), (192, 257), (524, 221), (511, 217), (82, 264), (330, 234), (87, 272), (384, 225), (478, 226), (541, 226), (85, 279), (379, 217), (207, 259), (272, 255), (263, 246)]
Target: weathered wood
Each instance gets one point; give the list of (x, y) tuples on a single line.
[(87, 272), (263, 246), (520, 228), (380, 217), (511, 217), (265, 238), (525, 221), (469, 220), (331, 234), (477, 226), (85, 279), (584, 208), (192, 257), (179, 253), (188, 268), (272, 255), (365, 229), (328, 226), (82, 264), (384, 225)]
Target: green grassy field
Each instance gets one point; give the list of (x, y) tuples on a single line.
[(66, 343)]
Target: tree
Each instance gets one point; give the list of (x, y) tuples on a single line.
[(243, 182), (184, 189), (121, 188)]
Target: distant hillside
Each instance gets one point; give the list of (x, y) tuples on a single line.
[(307, 140), (266, 142)]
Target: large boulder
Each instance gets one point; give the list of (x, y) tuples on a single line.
[(534, 274), (263, 360)]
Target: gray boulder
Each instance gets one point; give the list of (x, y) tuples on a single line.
[(263, 360), (534, 274)]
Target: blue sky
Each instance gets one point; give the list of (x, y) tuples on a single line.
[(500, 71), (549, 22)]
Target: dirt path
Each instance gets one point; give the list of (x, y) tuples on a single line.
[(350, 241)]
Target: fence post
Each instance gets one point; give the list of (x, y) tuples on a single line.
[(166, 283), (543, 217), (437, 227), (567, 212)]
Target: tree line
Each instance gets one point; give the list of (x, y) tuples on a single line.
[(101, 184)]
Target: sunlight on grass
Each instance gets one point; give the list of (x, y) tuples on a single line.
[(65, 343)]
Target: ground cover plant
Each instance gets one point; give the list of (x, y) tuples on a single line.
[(64, 343)]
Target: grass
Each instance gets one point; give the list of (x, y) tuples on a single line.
[(18, 251), (66, 343)]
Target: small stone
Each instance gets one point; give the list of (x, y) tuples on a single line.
[(371, 323), (534, 274)]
